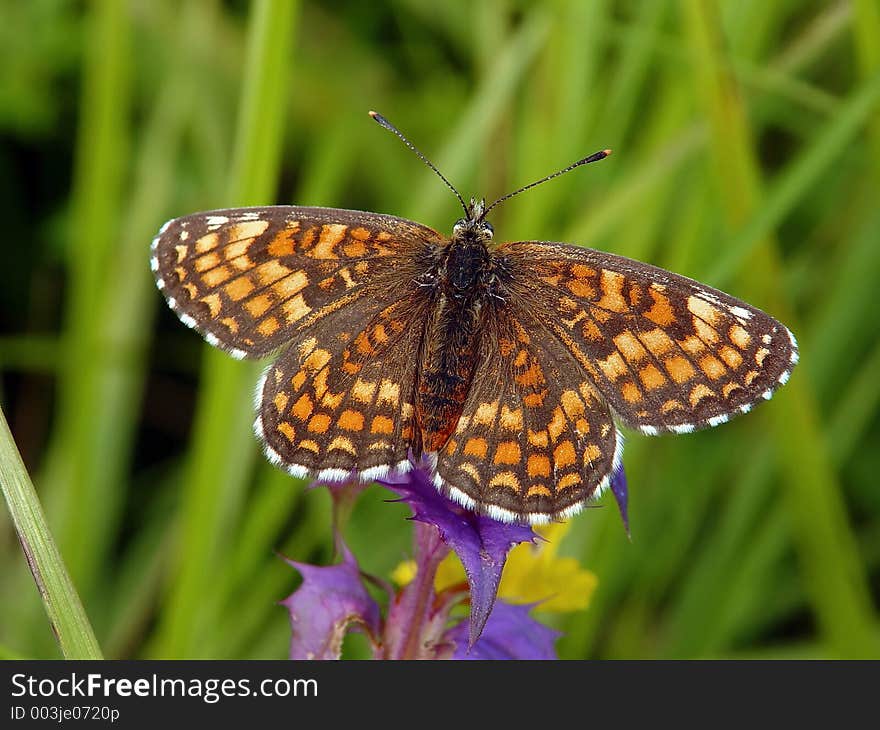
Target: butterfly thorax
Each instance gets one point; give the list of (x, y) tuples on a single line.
[(463, 282)]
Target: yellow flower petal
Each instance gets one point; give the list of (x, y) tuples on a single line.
[(404, 572), (534, 574)]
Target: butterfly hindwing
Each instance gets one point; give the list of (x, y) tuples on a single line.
[(668, 353), (339, 402), (535, 440)]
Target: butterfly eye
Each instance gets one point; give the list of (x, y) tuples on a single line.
[(488, 228)]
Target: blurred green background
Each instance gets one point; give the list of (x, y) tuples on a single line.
[(747, 155)]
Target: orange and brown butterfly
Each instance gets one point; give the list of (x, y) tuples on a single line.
[(504, 366)]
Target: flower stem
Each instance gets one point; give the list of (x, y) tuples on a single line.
[(410, 617)]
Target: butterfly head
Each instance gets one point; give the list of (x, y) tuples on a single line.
[(473, 226)]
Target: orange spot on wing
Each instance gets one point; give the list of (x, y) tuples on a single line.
[(258, 305), (739, 337), (706, 333), (572, 404), (657, 341), (239, 288), (712, 367), (363, 391), (699, 392), (208, 261), (592, 454), (302, 409), (557, 424), (215, 277), (661, 312), (291, 284), (213, 302), (295, 308), (476, 447), (282, 244), (538, 438), (581, 288), (280, 401), (485, 414), (531, 377), (388, 393), (730, 356), (471, 471), (631, 392), (507, 452), (287, 430), (319, 423), (613, 366), (563, 455), (351, 420), (568, 481), (612, 299), (354, 249), (679, 369), (382, 424), (331, 234), (268, 327), (511, 420), (207, 242), (692, 345), (651, 377), (247, 229), (630, 347), (270, 272), (728, 388), (505, 479), (316, 359), (703, 310), (538, 466), (342, 443), (590, 330)]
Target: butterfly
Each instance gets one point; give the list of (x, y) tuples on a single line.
[(504, 368)]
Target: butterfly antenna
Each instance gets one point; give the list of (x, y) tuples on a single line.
[(595, 157), (389, 126)]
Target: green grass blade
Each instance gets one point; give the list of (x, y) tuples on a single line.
[(65, 611)]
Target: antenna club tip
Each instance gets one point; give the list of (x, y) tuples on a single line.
[(373, 114), (606, 152)]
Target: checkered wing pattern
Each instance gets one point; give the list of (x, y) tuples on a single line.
[(251, 279), (666, 352), (339, 403), (535, 440)]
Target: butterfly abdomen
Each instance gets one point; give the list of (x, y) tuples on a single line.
[(463, 280)]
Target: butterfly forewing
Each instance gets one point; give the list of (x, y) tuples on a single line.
[(668, 353), (247, 279)]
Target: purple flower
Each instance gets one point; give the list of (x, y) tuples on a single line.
[(331, 601), (621, 495), (480, 542), (419, 623), (510, 633)]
